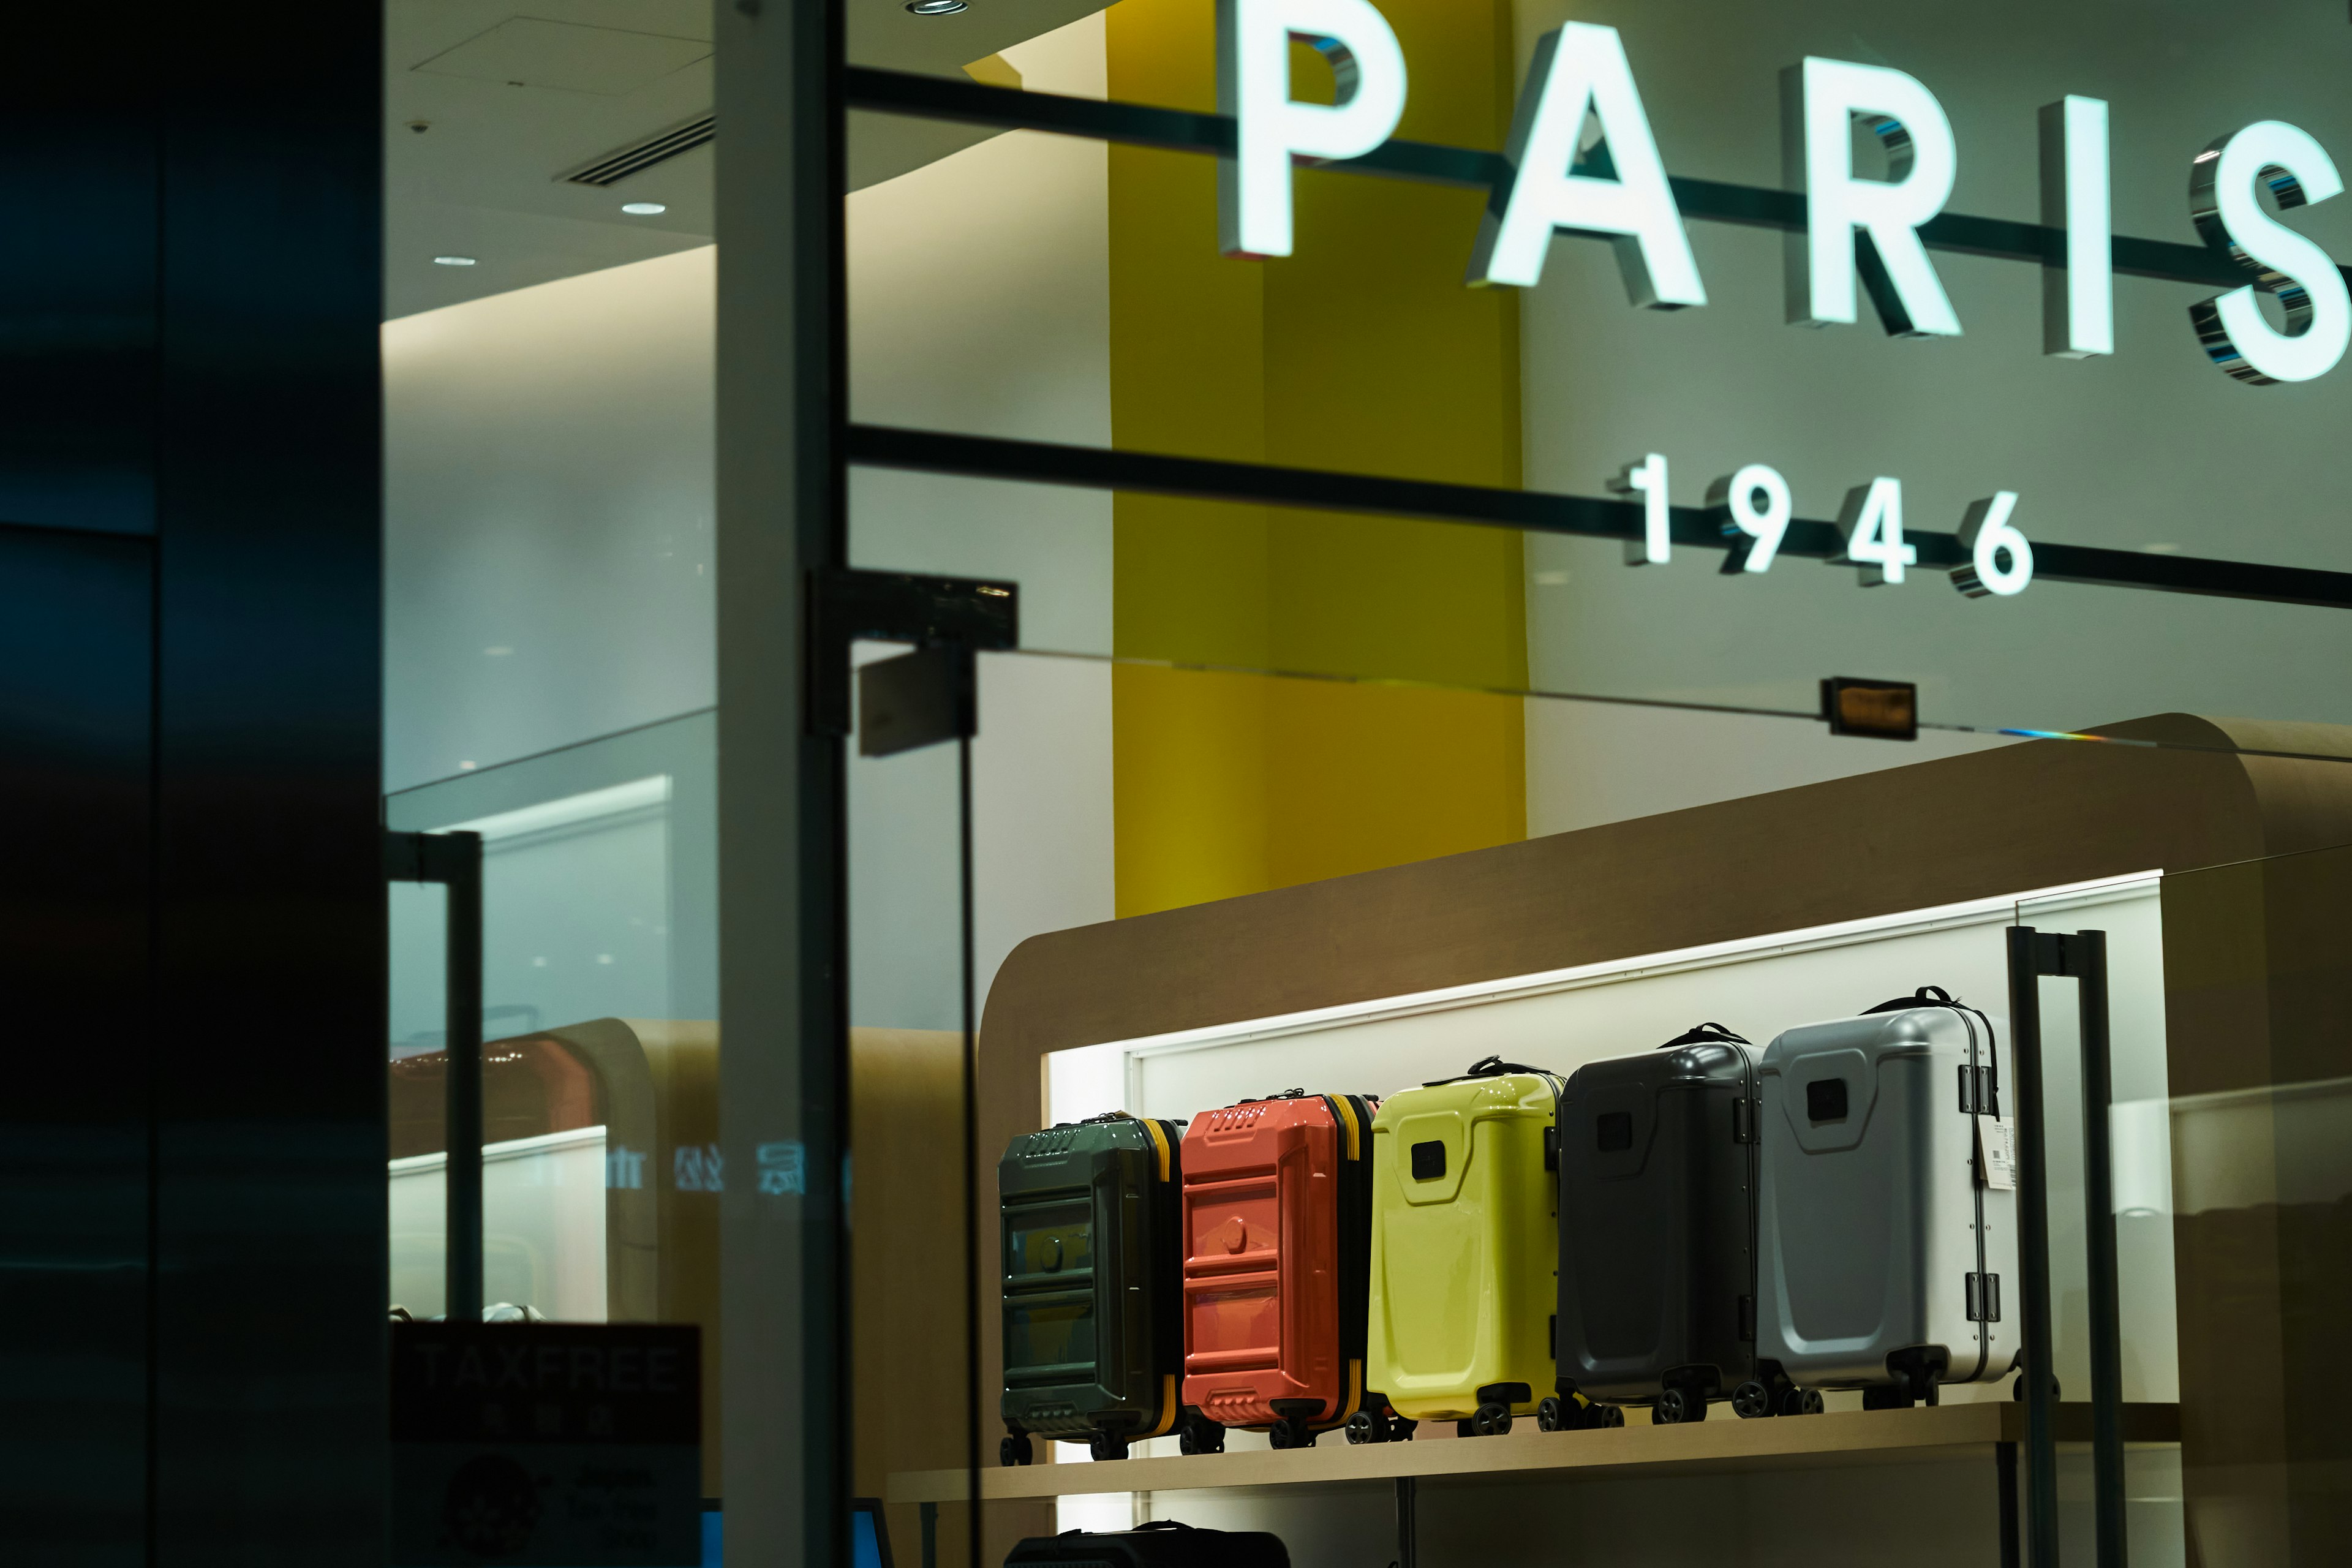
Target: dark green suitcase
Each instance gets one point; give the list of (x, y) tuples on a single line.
[(1094, 1342)]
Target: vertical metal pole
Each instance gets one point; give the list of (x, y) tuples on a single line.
[(2033, 1247), (782, 522), (2086, 960), (972, 1304), (820, 526), (2004, 1460), (1404, 1521), (460, 869)]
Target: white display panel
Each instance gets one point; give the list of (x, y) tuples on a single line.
[(1756, 986), (542, 1226)]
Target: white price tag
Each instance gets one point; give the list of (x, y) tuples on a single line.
[(1996, 1151)]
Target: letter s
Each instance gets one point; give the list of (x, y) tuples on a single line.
[(2311, 291)]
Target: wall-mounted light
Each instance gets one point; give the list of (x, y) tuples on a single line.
[(643, 209), (938, 8), (453, 261)]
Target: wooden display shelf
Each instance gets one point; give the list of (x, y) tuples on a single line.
[(1844, 1437)]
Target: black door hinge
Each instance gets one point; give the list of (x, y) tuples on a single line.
[(919, 698)]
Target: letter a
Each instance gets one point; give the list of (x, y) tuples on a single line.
[(1580, 69)]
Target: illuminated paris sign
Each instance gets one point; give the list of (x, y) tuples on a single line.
[(1579, 75)]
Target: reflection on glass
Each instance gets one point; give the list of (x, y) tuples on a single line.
[(1050, 1247), (1050, 1334)]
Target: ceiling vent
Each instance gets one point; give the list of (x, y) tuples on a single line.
[(639, 156)]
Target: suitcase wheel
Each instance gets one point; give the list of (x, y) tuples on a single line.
[(1750, 1400), (1401, 1430), (1604, 1416), (1549, 1416), (1677, 1405), (1364, 1427), (1015, 1449), (1887, 1396), (1801, 1402), (1107, 1445), (1288, 1434), (1196, 1433), (1491, 1420)]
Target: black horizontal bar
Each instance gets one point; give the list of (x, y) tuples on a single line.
[(1535, 511), (1710, 201)]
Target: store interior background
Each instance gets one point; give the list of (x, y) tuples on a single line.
[(549, 489)]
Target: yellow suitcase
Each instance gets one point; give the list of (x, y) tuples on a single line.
[(1465, 1249)]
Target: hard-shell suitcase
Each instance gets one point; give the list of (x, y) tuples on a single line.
[(1887, 1236), (1163, 1544), (1657, 1235), (1465, 1243), (1277, 1215), (1092, 1345)]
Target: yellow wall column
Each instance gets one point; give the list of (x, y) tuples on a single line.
[(1361, 351)]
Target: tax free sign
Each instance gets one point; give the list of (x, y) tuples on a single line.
[(1579, 75)]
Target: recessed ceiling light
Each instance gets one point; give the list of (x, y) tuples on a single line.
[(938, 8), (453, 261), (643, 209)]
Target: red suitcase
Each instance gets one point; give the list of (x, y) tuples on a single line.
[(1277, 1236)]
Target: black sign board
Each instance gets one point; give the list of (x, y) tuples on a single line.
[(546, 1444)]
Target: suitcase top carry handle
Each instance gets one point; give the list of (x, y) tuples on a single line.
[(1707, 1035), (1492, 1067), (1936, 996), (1146, 1524), (1925, 996)]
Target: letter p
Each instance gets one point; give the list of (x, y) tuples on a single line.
[(1254, 88)]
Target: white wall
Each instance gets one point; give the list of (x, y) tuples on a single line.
[(548, 496), (980, 301), (2152, 448), (547, 493)]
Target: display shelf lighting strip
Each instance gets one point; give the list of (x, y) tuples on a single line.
[(1998, 910)]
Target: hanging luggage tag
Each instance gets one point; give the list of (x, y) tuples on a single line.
[(1997, 1151)]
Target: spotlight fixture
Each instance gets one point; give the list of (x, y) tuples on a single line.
[(453, 261), (643, 209), (938, 8)]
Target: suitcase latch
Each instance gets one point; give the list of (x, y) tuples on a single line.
[(1984, 1298), (1743, 1121)]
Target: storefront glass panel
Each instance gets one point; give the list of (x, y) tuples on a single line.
[(1286, 773)]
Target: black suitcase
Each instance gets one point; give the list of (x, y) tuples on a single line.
[(1657, 1236), (1163, 1543), (1093, 1341)]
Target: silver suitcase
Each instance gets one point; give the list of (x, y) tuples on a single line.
[(1886, 1217)]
